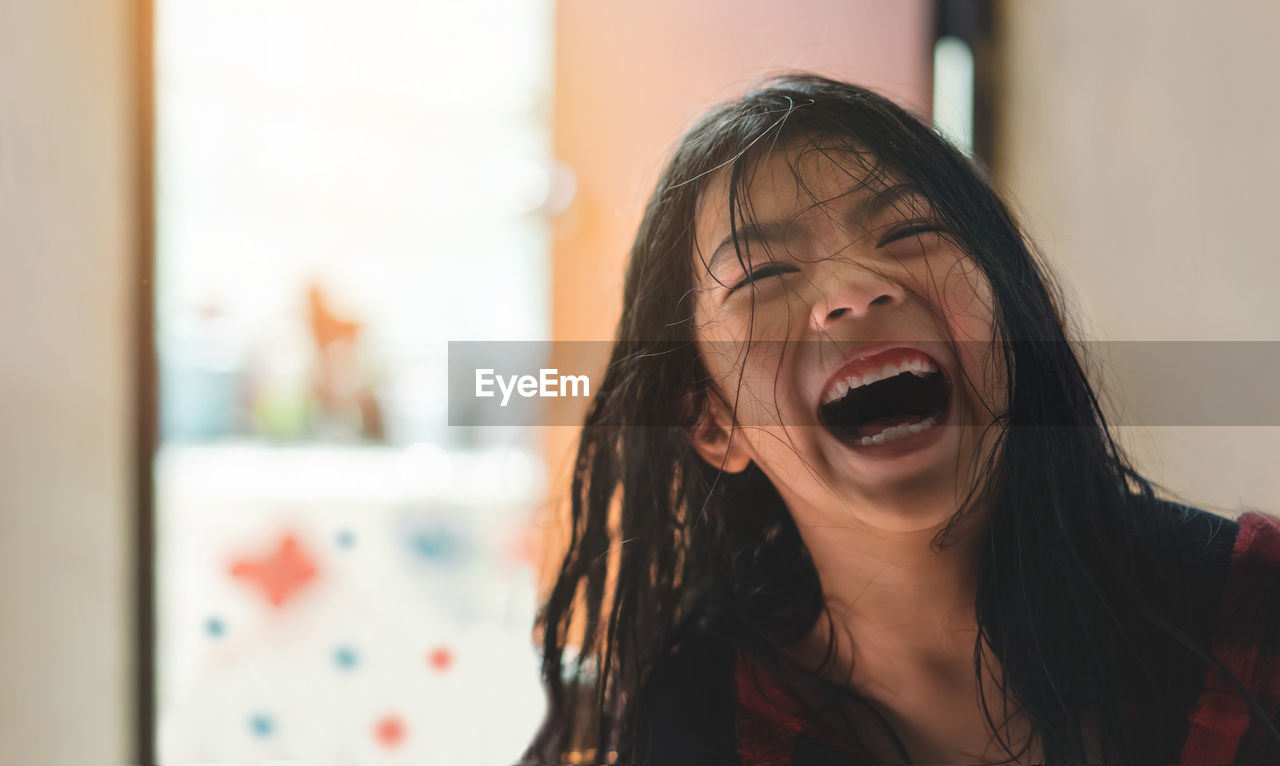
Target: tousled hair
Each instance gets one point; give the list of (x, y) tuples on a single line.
[(1072, 597)]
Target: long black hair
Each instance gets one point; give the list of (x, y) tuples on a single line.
[(1073, 597)]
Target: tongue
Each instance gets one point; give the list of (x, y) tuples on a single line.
[(876, 425)]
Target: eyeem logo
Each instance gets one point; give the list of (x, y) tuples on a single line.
[(548, 383)]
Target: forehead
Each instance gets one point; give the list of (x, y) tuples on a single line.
[(801, 178), (783, 188)]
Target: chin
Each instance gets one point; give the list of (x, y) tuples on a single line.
[(907, 520)]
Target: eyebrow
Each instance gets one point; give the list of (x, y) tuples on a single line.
[(771, 231)]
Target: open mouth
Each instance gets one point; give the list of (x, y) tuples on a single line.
[(903, 396)]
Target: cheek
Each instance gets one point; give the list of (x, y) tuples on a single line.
[(772, 312), (967, 303), (965, 298), (750, 376)]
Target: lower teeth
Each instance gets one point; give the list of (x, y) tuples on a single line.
[(894, 433)]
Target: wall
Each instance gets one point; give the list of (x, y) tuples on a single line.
[(67, 246), (1139, 139)]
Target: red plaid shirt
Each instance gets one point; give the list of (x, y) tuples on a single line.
[(1248, 643), (773, 728)]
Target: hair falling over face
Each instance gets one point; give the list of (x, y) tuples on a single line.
[(1063, 522)]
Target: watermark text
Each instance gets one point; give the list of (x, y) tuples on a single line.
[(547, 383)]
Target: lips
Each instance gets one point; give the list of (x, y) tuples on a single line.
[(873, 359), (884, 392)]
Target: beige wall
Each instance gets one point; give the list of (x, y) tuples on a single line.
[(67, 240), (1139, 139)]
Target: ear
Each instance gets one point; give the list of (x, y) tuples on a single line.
[(715, 439)]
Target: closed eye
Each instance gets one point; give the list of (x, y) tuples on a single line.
[(764, 272), (912, 229)]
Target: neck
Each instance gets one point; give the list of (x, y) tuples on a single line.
[(897, 604)]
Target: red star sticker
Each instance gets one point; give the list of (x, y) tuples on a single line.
[(389, 731), (281, 574)]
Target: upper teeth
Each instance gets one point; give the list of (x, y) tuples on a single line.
[(918, 367)]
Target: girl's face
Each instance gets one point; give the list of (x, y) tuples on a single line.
[(853, 343)]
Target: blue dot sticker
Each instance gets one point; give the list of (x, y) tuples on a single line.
[(215, 627), (346, 539), (262, 725), (345, 657), (438, 545)]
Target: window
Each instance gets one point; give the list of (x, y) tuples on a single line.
[(343, 188)]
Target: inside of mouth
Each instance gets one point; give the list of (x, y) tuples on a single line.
[(899, 400)]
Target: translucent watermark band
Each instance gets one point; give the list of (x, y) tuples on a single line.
[(1139, 383)]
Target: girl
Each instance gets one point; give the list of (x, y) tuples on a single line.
[(845, 494)]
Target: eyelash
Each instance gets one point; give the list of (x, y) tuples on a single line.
[(763, 272), (774, 269), (910, 230)]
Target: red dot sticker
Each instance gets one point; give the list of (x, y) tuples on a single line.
[(389, 731), (440, 658)]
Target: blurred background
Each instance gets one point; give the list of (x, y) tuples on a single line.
[(237, 237)]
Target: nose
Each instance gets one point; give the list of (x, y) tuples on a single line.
[(848, 293)]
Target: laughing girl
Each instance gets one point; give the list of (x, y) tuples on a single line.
[(845, 494)]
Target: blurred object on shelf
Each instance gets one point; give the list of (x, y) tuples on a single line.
[(280, 388), (343, 391), (201, 375)]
